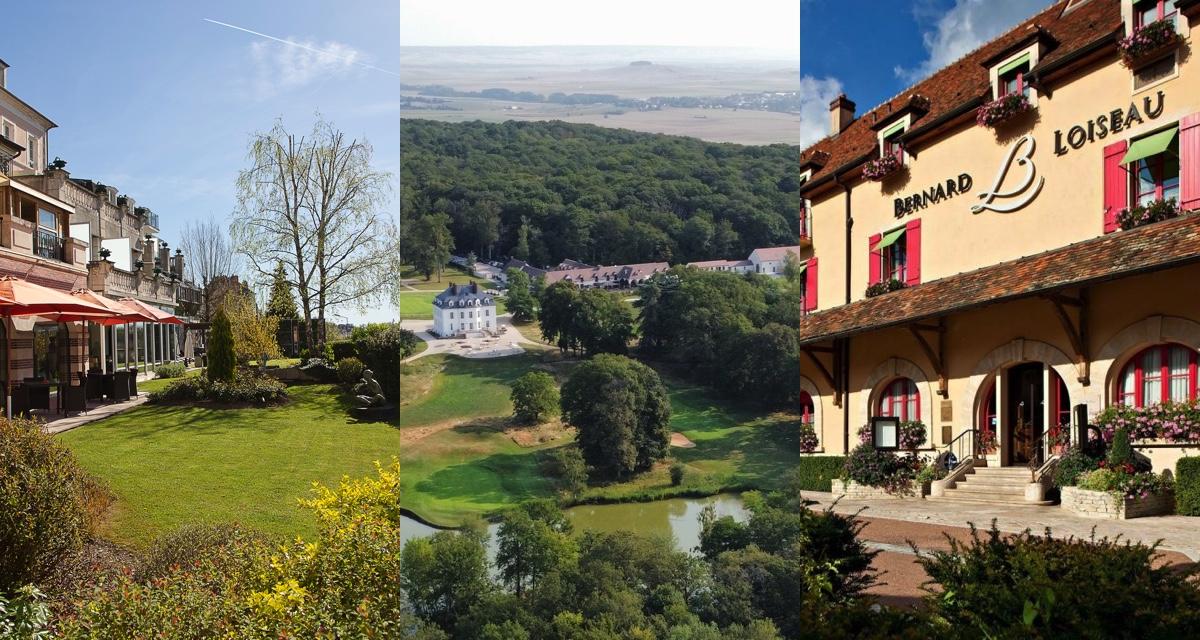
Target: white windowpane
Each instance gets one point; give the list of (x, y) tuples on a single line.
[(1180, 365), (1152, 377)]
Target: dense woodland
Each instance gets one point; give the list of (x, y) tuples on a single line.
[(545, 191)]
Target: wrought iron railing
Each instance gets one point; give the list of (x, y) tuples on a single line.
[(48, 245), (964, 447)]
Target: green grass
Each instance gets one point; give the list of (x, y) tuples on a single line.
[(417, 280), (418, 305), (473, 469), (175, 465)]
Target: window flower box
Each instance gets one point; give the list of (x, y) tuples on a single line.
[(887, 286), (1174, 422), (882, 167), (1156, 211), (1003, 109), (1148, 42)]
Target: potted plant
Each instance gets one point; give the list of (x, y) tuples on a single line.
[(139, 264), (882, 167), (1157, 211), (1002, 110), (1121, 487), (1148, 42), (808, 438), (58, 163), (886, 286), (105, 253)]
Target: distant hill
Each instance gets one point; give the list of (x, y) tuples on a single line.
[(604, 196)]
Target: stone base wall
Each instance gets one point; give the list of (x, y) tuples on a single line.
[(1112, 506), (855, 491)]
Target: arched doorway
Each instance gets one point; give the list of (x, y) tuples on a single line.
[(1018, 405)]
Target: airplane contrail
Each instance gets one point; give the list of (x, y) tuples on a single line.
[(349, 59)]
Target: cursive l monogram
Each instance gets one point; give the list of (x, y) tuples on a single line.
[(1024, 193)]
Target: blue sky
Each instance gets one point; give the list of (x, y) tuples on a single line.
[(873, 49), (152, 99)]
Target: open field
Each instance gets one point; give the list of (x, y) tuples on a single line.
[(458, 462), (717, 125), (171, 466)]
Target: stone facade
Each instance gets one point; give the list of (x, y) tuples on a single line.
[(1114, 506), (852, 490)]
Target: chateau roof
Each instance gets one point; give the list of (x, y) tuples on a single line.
[(467, 295), (1121, 254)]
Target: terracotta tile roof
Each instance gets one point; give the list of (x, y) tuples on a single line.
[(720, 263), (1117, 255), (967, 78), (607, 274)]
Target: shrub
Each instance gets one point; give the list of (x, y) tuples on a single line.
[(1187, 486), (248, 389), (1120, 453), (320, 369), (808, 438), (25, 615), (343, 349), (869, 466), (43, 496), (535, 396), (1075, 462), (170, 370), (929, 473), (350, 370), (567, 464), (1027, 586), (677, 470), (221, 358), (187, 547), (816, 473)]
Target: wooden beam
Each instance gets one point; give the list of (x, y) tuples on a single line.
[(935, 359), (825, 375), (1076, 334)]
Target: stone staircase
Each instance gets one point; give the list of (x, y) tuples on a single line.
[(992, 485)]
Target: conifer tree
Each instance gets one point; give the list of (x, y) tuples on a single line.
[(281, 304), (221, 359)]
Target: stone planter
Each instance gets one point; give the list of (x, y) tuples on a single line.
[(852, 490), (1114, 506)]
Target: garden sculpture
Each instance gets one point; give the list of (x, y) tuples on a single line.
[(368, 393)]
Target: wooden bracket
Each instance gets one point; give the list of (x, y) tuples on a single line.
[(1076, 330), (935, 358), (825, 375)]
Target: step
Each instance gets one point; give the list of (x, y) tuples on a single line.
[(1002, 482), (988, 489), (953, 496), (1001, 471)]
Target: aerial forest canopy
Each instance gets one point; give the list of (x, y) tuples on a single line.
[(545, 191)]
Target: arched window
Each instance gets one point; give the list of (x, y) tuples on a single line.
[(1162, 373), (1060, 401), (987, 408), (807, 408), (900, 399)]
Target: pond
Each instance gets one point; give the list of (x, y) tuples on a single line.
[(677, 517)]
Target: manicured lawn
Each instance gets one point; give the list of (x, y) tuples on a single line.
[(175, 465), (456, 461), (452, 274), (418, 305)]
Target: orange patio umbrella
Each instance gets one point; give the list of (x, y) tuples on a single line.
[(23, 298), (156, 314)]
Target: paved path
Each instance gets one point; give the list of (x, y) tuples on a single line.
[(508, 343), (98, 412)]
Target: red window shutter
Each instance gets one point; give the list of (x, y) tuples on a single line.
[(875, 258), (810, 285), (1116, 184), (1189, 162), (912, 234)]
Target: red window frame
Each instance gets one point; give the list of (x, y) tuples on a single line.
[(987, 409), (1160, 12), (896, 397), (1135, 367), (1156, 165), (1020, 78), (807, 408), (1061, 400), (894, 265), (891, 145), (803, 306)]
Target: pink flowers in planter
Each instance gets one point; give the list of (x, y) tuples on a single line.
[(882, 167), (1147, 41), (1002, 110), (1175, 422), (1156, 211)]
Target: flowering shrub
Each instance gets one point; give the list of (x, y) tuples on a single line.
[(1002, 109), (930, 472), (1175, 422), (987, 441), (887, 286), (869, 466), (246, 389), (1124, 480), (912, 435), (1150, 39), (1157, 211), (881, 167), (808, 438)]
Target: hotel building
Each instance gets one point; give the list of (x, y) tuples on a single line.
[(967, 260)]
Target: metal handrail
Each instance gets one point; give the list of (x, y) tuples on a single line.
[(962, 444)]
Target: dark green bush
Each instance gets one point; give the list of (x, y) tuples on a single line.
[(816, 473), (1187, 486), (320, 369), (1074, 463), (381, 348), (677, 471), (1027, 586), (343, 349), (1120, 453), (349, 370), (170, 370), (221, 358), (246, 389), (44, 503)]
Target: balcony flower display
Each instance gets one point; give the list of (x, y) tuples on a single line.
[(1148, 41), (1156, 211), (887, 286), (1174, 422), (912, 435), (882, 167), (1002, 110)]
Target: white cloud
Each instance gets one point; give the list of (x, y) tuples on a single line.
[(963, 28), (815, 96), (280, 67)]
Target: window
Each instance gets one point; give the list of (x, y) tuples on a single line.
[(987, 409), (8, 130), (891, 145), (1156, 176), (807, 408), (900, 399), (1060, 401), (1013, 82), (1162, 373), (1149, 11), (48, 244), (32, 152)]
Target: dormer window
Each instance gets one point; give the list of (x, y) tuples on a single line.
[(1012, 77), (1149, 11), (891, 142)]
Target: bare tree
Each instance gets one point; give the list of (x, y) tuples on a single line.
[(314, 205), (209, 257)]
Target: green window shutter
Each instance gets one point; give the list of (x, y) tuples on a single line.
[(1023, 60), (1150, 145), (894, 129)]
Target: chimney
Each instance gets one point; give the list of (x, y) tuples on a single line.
[(3, 74), (453, 288), (841, 114)]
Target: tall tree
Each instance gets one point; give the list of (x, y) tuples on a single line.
[(429, 243), (208, 258), (221, 358), (521, 250), (281, 304), (316, 204), (519, 299)]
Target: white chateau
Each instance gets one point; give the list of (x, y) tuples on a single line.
[(462, 309)]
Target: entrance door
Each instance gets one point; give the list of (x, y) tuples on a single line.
[(1025, 405)]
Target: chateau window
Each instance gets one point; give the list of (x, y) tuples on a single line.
[(900, 399), (1154, 167), (896, 255), (32, 151), (1162, 373), (1149, 11), (891, 143)]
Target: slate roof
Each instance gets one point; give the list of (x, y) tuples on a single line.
[(1116, 255), (1068, 26), (457, 295)]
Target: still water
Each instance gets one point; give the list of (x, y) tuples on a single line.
[(678, 517)]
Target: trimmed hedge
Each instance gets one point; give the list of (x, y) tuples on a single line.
[(1187, 486), (246, 389), (816, 473), (343, 349)]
